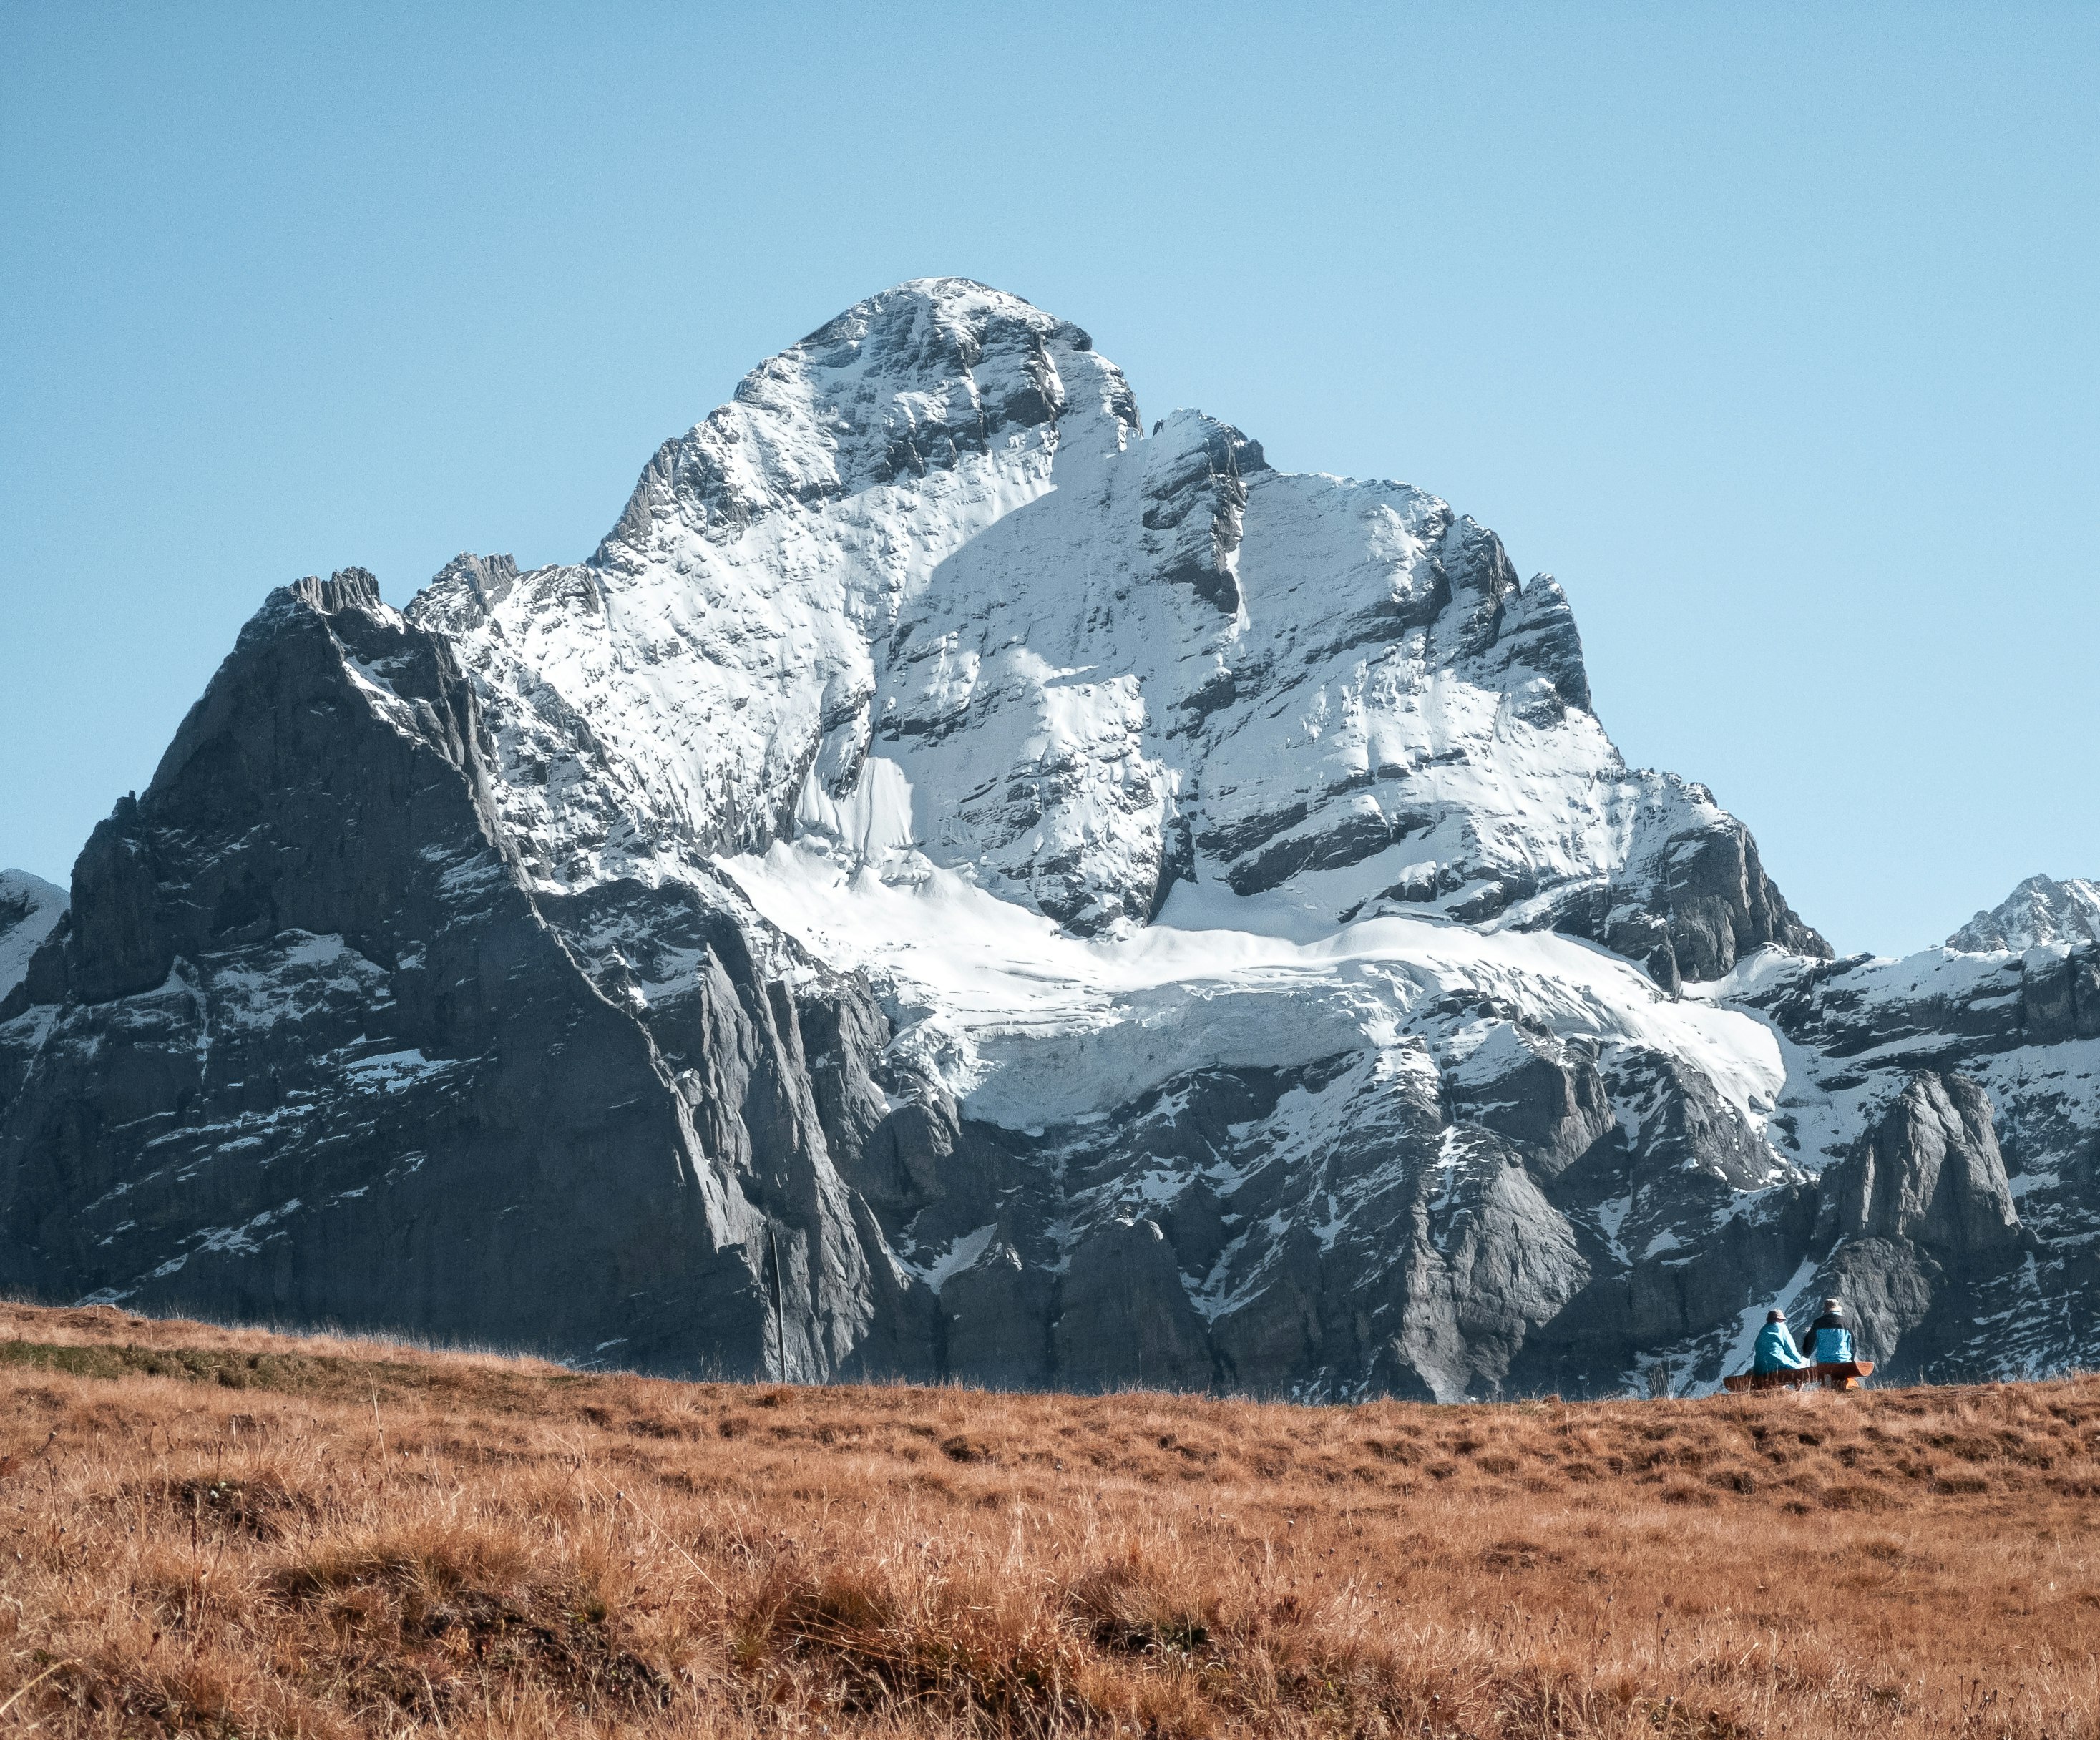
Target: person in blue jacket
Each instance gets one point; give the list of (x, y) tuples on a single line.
[(1830, 1337), (1775, 1351)]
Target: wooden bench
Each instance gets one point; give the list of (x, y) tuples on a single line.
[(1840, 1375)]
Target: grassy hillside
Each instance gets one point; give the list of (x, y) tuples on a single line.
[(219, 1532)]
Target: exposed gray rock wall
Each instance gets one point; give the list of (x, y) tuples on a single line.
[(1929, 1171), (308, 1052), (1922, 1219)]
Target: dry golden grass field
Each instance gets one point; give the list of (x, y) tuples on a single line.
[(221, 1532)]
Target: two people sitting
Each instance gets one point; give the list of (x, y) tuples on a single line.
[(1830, 1342)]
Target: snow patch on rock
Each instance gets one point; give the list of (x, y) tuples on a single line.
[(30, 909)]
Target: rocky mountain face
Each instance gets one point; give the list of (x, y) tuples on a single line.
[(962, 885)]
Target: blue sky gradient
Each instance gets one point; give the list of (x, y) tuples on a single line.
[(1771, 330)]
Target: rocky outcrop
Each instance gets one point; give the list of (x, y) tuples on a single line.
[(1923, 1219), (1124, 1320), (309, 1051), (2060, 992), (1929, 1171), (1718, 906)]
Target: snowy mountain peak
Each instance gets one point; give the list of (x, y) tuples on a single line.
[(2039, 911), (923, 595), (907, 382)]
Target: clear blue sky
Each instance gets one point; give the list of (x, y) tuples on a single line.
[(1772, 330)]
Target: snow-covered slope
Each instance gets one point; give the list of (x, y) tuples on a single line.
[(962, 884), (1028, 1025), (29, 908), (2040, 910), (665, 700), (925, 582)]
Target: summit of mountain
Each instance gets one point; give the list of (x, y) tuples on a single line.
[(2040, 912)]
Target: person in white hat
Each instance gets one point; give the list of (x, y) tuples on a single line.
[(1830, 1337)]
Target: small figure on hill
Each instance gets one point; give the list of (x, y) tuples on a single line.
[(1775, 1351), (1830, 1337)]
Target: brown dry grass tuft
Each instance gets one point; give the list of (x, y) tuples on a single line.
[(222, 1532)]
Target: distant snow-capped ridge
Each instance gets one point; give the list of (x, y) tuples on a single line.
[(965, 883), (2039, 911)]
